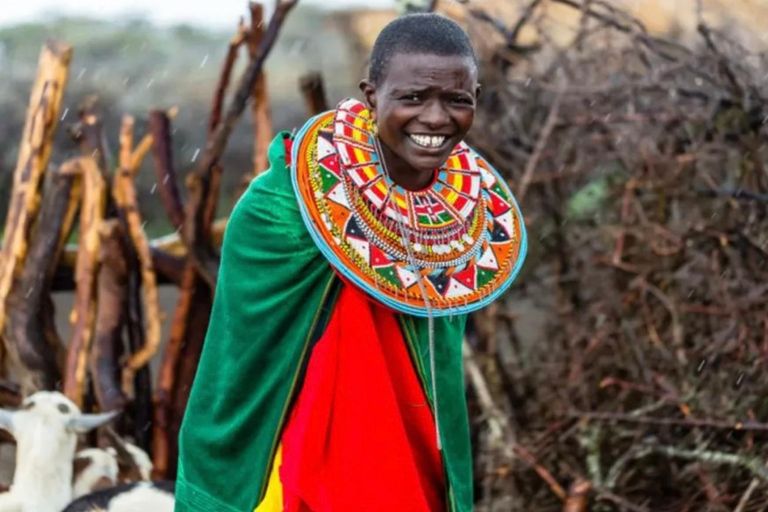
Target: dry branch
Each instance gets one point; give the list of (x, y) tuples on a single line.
[(125, 197), (167, 182), (39, 127), (35, 351), (313, 91), (204, 177), (166, 382), (578, 496), (262, 119), (86, 269), (107, 340)]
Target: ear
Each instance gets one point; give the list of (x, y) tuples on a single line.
[(6, 420), (87, 422), (369, 94)]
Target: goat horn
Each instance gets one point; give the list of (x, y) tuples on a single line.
[(87, 422)]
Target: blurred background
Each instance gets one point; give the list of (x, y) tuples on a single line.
[(627, 368)]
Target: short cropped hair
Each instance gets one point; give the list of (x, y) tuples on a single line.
[(425, 33)]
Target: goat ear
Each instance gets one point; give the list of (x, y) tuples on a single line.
[(6, 420), (87, 422)]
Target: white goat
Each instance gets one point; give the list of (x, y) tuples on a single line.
[(45, 428)]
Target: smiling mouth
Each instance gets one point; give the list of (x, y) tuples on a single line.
[(428, 141)]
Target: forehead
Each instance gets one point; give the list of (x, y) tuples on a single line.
[(409, 70)]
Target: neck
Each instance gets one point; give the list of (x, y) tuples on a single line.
[(402, 173), (43, 476)]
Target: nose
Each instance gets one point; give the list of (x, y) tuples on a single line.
[(434, 115)]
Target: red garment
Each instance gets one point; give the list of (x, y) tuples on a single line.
[(361, 435)]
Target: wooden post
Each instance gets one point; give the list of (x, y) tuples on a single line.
[(313, 90), (262, 117), (84, 311), (108, 345), (35, 151), (125, 197), (35, 352)]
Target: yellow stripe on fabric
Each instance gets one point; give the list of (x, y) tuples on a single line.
[(359, 134), (273, 499)]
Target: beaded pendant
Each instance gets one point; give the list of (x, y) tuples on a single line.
[(466, 235)]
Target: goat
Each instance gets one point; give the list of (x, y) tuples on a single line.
[(94, 469), (45, 428), (137, 496), (97, 469)]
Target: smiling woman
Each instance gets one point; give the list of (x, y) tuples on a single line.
[(331, 378)]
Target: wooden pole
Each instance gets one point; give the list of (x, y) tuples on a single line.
[(126, 201), (34, 153), (84, 311), (313, 91), (204, 177), (262, 117), (108, 344), (26, 339)]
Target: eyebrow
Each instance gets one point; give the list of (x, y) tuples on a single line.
[(426, 89)]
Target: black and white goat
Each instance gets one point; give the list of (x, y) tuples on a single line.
[(137, 496), (96, 469), (45, 428)]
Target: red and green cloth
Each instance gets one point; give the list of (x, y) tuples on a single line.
[(295, 359)]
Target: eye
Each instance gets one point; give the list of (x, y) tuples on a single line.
[(463, 100), (63, 408), (411, 96)]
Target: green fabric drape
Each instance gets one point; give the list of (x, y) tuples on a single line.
[(274, 295)]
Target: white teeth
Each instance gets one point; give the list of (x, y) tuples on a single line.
[(428, 141)]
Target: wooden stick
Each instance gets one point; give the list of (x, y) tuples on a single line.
[(578, 496), (83, 313), (88, 133), (124, 194), (167, 182), (687, 422), (206, 264), (25, 336), (167, 375), (262, 117), (34, 153), (546, 131), (224, 77), (313, 90), (197, 324), (48, 312), (107, 343)]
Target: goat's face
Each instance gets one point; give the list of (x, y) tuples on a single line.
[(52, 413)]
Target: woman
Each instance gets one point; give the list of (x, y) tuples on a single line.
[(331, 377)]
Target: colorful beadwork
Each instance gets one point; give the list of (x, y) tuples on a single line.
[(465, 230)]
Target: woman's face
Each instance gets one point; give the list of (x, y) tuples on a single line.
[(424, 107)]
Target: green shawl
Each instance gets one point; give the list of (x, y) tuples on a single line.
[(274, 295)]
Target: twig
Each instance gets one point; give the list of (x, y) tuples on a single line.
[(546, 131), (578, 496), (200, 250), (688, 422), (521, 22), (165, 172)]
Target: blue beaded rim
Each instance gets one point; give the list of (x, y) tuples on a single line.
[(397, 305)]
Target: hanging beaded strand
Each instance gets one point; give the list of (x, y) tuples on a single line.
[(430, 317)]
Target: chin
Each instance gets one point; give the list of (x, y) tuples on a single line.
[(428, 164)]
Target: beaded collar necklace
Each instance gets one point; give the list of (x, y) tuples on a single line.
[(464, 231)]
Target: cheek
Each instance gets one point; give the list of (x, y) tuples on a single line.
[(464, 119)]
